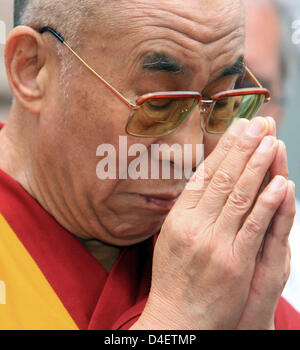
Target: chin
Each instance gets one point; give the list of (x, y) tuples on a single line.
[(128, 219), (129, 234)]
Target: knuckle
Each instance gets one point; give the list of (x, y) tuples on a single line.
[(267, 201), (288, 215), (226, 264), (189, 238), (207, 174), (230, 270), (222, 181), (281, 280), (252, 227), (256, 164), (244, 146), (180, 237), (292, 213), (283, 276), (239, 200), (226, 145)]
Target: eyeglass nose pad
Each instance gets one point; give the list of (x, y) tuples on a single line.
[(204, 109)]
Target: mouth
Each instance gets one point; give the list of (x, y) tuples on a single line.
[(163, 202)]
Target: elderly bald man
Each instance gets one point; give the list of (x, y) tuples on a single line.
[(77, 252)]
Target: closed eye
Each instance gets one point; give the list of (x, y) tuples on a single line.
[(159, 104)]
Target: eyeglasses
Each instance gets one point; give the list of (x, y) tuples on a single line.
[(160, 113)]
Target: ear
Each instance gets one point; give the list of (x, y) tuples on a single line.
[(25, 56)]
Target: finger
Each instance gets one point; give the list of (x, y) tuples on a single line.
[(249, 239), (272, 126), (268, 177), (280, 164), (245, 192), (273, 265), (230, 170), (272, 132), (276, 243), (199, 181)]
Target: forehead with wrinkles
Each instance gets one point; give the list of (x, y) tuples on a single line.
[(213, 29), (214, 14), (202, 20)]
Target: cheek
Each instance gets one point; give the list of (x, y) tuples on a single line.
[(93, 106), (210, 142), (96, 118)]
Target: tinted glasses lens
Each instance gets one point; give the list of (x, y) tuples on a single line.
[(225, 111), (159, 117)]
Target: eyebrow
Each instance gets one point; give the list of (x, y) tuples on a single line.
[(237, 68), (159, 61)]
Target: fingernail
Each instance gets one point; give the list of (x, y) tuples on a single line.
[(292, 184), (266, 144), (271, 125), (282, 146), (257, 127), (238, 127), (277, 183)]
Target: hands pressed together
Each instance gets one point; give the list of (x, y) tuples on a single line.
[(222, 258)]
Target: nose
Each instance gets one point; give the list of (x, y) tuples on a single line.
[(187, 140)]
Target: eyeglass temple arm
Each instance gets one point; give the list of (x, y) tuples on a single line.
[(255, 80), (108, 85)]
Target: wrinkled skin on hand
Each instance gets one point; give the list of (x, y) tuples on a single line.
[(210, 268)]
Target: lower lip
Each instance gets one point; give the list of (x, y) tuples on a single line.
[(163, 204)]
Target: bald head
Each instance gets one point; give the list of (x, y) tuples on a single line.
[(68, 17)]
